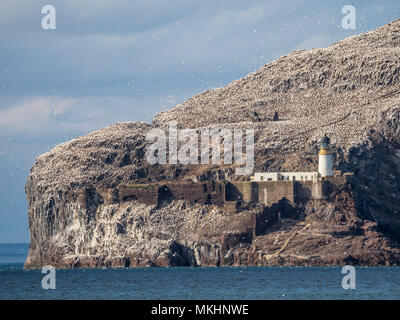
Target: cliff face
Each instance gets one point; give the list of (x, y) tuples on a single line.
[(347, 90)]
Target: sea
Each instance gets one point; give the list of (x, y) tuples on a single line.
[(233, 283)]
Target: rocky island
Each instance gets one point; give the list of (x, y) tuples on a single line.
[(96, 201)]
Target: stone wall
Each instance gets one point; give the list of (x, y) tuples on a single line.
[(212, 193), (145, 193), (266, 192), (231, 206), (270, 192), (226, 195), (242, 191), (304, 190), (264, 219)]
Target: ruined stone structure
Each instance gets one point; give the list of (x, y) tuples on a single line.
[(267, 188), (270, 187), (273, 195), (270, 192), (211, 193)]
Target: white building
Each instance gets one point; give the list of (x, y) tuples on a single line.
[(275, 176), (324, 168)]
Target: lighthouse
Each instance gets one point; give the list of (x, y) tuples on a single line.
[(325, 158)]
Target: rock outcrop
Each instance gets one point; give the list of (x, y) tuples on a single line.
[(350, 91)]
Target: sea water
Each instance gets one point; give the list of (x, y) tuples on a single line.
[(193, 283)]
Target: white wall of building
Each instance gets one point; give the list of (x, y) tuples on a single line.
[(277, 176)]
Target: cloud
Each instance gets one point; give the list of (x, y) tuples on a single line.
[(63, 118), (96, 49), (32, 115)]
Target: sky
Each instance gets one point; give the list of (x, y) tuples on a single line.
[(109, 61)]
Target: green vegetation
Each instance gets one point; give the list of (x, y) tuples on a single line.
[(140, 186)]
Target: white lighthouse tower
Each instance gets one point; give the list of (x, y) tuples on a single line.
[(325, 158)]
